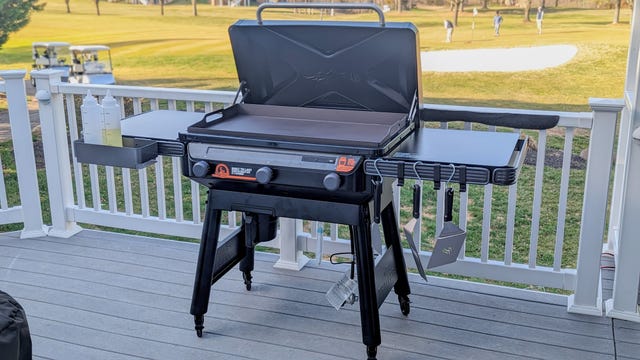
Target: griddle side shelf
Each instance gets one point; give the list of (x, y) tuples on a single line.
[(428, 168)]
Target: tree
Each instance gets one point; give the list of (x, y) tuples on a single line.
[(617, 4), (195, 7), (456, 4), (14, 15), (68, 8), (527, 10), (616, 13), (98, 7)]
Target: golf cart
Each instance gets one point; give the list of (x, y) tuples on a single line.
[(91, 65), (51, 55)]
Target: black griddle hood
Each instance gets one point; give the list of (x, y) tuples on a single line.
[(328, 64)]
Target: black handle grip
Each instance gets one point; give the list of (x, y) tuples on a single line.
[(416, 201), (448, 204), (363, 6), (218, 115), (377, 199), (512, 120)]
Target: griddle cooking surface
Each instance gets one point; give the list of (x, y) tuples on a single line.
[(306, 125)]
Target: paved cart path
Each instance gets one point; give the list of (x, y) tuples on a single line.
[(5, 127), (502, 60)]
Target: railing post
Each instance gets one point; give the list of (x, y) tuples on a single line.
[(617, 197), (24, 156), (587, 298), (291, 258), (624, 301), (56, 152)]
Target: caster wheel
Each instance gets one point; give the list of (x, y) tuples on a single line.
[(199, 321), (405, 304), (246, 276), (372, 352)]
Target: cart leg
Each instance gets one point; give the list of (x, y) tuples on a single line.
[(369, 316), (204, 269), (392, 239), (250, 222)]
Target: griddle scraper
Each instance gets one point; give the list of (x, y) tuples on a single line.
[(451, 238)]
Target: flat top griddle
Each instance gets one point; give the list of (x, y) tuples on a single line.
[(362, 129), (316, 95)]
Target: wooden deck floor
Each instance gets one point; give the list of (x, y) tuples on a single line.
[(102, 295)]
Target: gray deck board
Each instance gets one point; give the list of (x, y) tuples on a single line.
[(100, 295), (627, 338)]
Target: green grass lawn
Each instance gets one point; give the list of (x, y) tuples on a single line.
[(179, 50)]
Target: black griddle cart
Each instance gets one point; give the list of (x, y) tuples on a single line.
[(318, 99), (328, 109)]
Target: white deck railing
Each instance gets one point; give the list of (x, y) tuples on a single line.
[(601, 124), (140, 201), (8, 214), (160, 200), (27, 210)]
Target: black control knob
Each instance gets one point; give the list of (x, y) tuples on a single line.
[(264, 175), (331, 182), (200, 169)]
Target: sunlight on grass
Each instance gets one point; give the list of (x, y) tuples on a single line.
[(180, 50)]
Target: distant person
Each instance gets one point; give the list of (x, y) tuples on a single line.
[(497, 21), (539, 17), (448, 25), (475, 13)]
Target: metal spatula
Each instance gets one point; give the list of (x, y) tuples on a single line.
[(451, 238), (412, 227)]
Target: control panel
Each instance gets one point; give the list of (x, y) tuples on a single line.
[(271, 166)]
